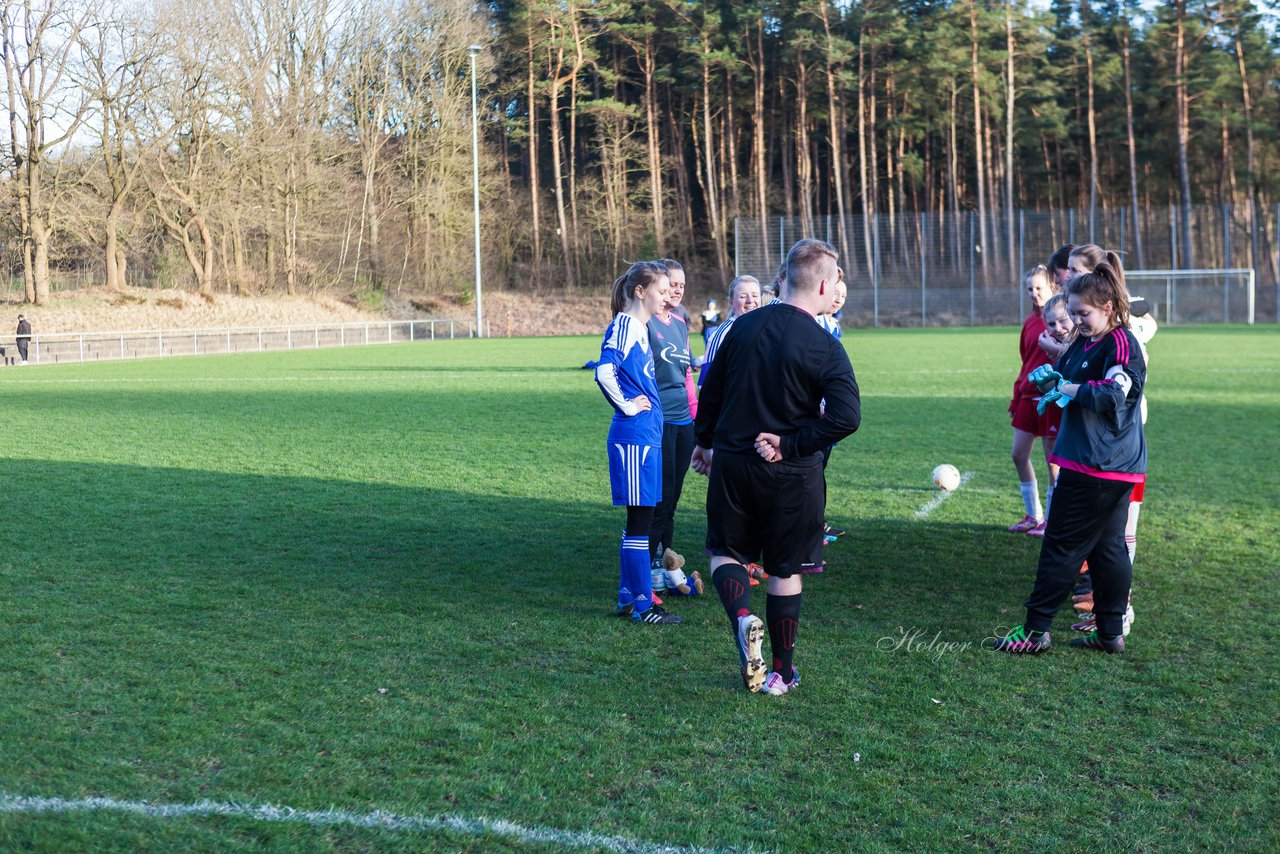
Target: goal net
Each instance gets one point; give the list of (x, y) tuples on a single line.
[(1196, 296)]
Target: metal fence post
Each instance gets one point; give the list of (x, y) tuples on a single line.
[(82, 348), (37, 342), (875, 269), (121, 348), (971, 259), (923, 272), (228, 340), (317, 336), (160, 342), (1022, 265), (288, 337)]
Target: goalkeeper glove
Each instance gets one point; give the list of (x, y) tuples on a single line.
[(1052, 396), (1045, 378)]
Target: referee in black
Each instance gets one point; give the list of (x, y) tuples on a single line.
[(761, 418)]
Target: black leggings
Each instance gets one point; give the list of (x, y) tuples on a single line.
[(1086, 522), (677, 449)]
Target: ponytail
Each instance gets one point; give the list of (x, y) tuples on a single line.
[(641, 274)]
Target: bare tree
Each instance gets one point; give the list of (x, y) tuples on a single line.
[(40, 44), (118, 72)]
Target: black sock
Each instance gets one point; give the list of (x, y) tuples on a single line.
[(782, 613), (734, 586)]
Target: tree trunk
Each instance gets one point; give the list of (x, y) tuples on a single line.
[(1182, 110), (533, 157), (1133, 150), (977, 133), (649, 68), (758, 122), (835, 133), (867, 202), (1094, 236), (709, 165), (1009, 94), (1250, 162)]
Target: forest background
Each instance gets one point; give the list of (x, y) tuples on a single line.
[(263, 147)]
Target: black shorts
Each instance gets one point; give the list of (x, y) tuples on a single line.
[(769, 513)]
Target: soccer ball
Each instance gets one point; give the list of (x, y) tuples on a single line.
[(946, 477)]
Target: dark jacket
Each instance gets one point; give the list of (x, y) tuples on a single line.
[(771, 375)]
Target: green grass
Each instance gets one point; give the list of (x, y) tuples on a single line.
[(211, 568)]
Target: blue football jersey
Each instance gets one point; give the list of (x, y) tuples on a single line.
[(625, 372)]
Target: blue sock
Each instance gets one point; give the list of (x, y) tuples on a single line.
[(636, 583)]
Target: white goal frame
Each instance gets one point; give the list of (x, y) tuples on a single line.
[(1171, 278)]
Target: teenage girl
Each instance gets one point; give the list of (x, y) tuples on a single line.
[(669, 343), (1060, 264), (1028, 423), (1085, 259), (625, 374), (1102, 453)]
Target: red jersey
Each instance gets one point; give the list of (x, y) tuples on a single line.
[(1032, 356)]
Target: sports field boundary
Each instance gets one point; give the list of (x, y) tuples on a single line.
[(11, 804), (73, 347)]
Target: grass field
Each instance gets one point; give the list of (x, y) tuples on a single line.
[(379, 581)]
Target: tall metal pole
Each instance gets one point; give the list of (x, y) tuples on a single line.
[(474, 50)]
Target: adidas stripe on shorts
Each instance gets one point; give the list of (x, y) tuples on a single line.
[(635, 474)]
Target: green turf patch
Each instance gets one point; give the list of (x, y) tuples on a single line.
[(380, 579)]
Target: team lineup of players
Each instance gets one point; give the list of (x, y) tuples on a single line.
[(777, 392)]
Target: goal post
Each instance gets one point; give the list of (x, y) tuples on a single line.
[(1197, 296)]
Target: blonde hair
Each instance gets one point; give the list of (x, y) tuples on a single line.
[(804, 263), (1058, 302), (1039, 271)]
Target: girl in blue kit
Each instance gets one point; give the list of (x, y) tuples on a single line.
[(1101, 453), (625, 373)]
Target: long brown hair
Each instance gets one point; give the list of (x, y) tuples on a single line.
[(1092, 254), (642, 274), (1105, 284)]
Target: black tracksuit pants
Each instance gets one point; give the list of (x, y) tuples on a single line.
[(1086, 522), (677, 449)]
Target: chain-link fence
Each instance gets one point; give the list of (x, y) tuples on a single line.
[(961, 269), (63, 347)]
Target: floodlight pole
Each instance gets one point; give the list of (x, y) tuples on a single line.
[(474, 50)]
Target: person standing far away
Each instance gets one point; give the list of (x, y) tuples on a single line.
[(759, 436), (710, 320), (23, 337)]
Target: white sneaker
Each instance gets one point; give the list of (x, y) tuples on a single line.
[(774, 685), (750, 639)]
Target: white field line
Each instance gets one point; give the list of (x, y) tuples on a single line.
[(377, 820), (324, 378), (943, 495)]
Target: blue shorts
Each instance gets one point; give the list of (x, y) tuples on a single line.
[(635, 474)]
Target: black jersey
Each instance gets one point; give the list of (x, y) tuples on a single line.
[(1101, 432), (771, 376)]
